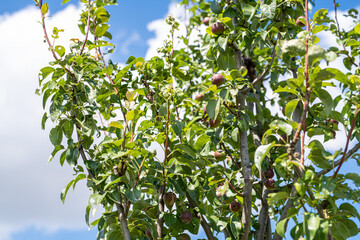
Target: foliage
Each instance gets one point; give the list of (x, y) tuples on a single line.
[(152, 126)]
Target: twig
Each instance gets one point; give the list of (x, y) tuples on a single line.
[(205, 225), (339, 35), (88, 28), (347, 142), (337, 163)]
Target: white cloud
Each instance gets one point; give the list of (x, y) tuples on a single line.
[(124, 48), (31, 187), (162, 30)]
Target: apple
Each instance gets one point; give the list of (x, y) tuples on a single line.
[(269, 173), (333, 121), (148, 233), (183, 236), (206, 21), (219, 154), (169, 199), (199, 97), (186, 217), (214, 123), (235, 206), (217, 79), (217, 28), (299, 22), (270, 183)]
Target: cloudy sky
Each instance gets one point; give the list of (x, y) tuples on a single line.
[(30, 207)]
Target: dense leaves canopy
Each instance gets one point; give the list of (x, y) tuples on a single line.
[(191, 139)]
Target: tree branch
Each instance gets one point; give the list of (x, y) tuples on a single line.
[(205, 225), (88, 29), (337, 163)]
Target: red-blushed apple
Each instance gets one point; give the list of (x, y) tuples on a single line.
[(183, 236), (299, 22), (219, 154), (217, 28), (333, 121), (269, 173), (214, 123), (270, 183), (148, 233), (169, 199), (199, 97), (217, 79), (186, 217), (235, 206), (206, 21)]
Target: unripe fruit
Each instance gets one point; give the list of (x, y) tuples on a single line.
[(217, 79), (148, 233), (183, 236), (214, 123), (333, 121), (186, 217), (219, 154), (270, 183), (199, 97), (206, 21), (269, 173), (299, 22), (235, 206), (169, 199), (217, 28)]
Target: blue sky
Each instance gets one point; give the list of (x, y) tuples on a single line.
[(30, 204)]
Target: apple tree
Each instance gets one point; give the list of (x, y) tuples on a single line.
[(226, 133)]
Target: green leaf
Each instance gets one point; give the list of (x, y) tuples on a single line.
[(281, 226), (283, 126), (123, 71), (355, 177), (95, 199), (261, 153), (215, 7), (343, 229), (315, 53), (290, 107), (44, 8), (116, 125), (178, 126), (295, 47), (311, 225), (71, 156), (56, 135), (330, 73), (349, 209), (68, 128), (46, 71), (65, 190), (65, 1), (187, 149), (330, 56), (357, 28), (300, 188), (114, 235), (101, 29), (212, 108), (60, 50), (275, 197), (268, 10), (326, 99)]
